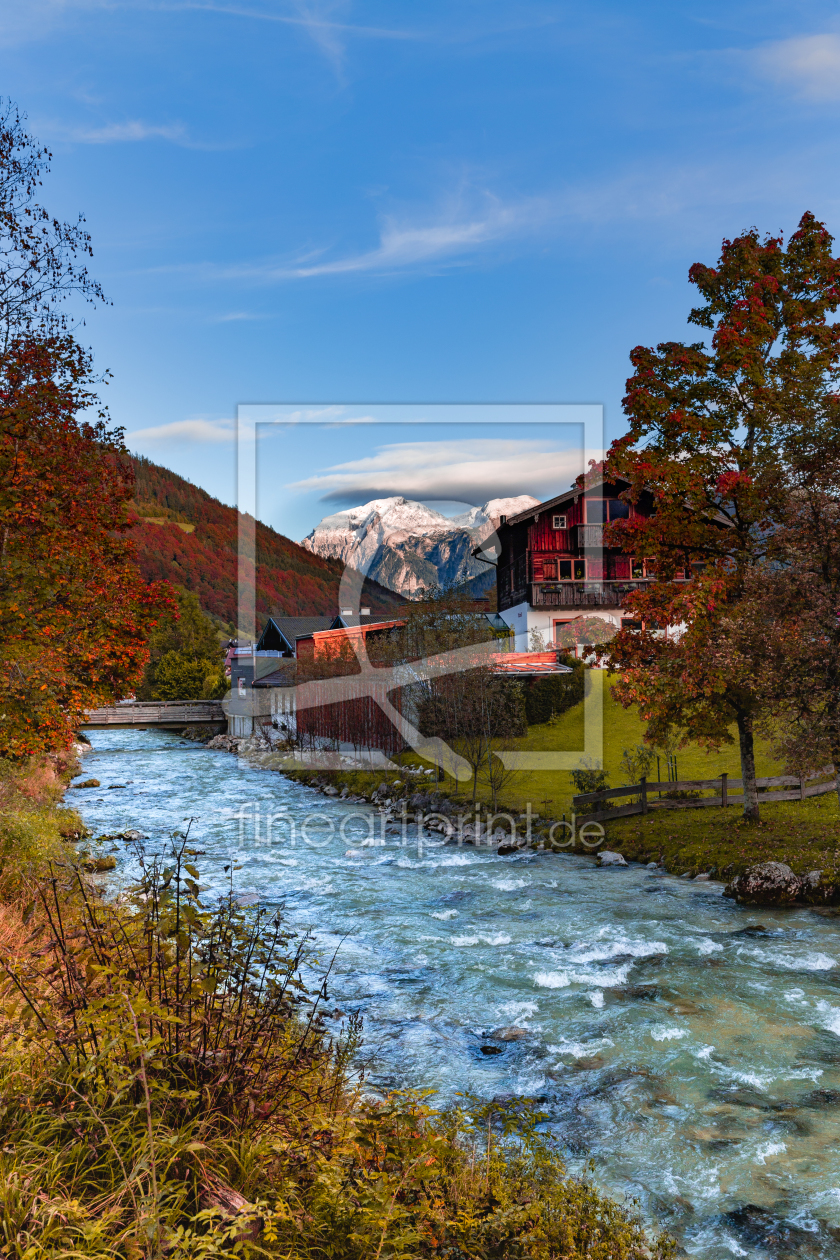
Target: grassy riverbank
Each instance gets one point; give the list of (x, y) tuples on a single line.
[(805, 835), (169, 1089)]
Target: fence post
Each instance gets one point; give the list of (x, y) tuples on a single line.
[(724, 789), (801, 788), (644, 795)]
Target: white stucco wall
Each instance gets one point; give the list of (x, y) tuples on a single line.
[(522, 619)]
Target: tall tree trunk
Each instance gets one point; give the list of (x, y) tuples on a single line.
[(833, 715), (745, 739)]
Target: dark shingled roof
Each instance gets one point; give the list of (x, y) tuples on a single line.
[(283, 676), (291, 627)]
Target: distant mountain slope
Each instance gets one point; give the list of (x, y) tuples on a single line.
[(409, 547), (182, 533)]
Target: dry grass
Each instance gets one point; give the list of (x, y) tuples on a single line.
[(168, 1090)]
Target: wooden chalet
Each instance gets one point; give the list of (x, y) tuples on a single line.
[(553, 566)]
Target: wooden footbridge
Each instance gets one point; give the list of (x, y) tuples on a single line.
[(168, 714)]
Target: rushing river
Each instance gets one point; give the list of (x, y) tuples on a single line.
[(691, 1048)]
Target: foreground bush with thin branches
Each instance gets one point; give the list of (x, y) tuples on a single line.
[(168, 1089)]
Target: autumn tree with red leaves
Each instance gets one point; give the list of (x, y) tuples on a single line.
[(75, 615), (722, 432)]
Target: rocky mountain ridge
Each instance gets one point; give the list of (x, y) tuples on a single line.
[(409, 547)]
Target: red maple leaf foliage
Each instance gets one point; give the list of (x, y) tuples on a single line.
[(184, 535), (722, 433), (75, 613)]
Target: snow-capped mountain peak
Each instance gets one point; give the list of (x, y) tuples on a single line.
[(407, 546)]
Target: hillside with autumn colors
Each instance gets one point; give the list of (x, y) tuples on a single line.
[(185, 535)]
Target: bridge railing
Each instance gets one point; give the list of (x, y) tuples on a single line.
[(157, 713)]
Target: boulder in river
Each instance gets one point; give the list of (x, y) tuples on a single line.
[(767, 884), (511, 1033), (607, 858), (775, 884), (98, 864), (504, 850)]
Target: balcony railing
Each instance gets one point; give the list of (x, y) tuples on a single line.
[(590, 537), (582, 594)]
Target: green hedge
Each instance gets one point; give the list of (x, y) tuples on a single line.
[(550, 696)]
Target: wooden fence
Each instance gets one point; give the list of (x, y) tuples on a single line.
[(726, 792)]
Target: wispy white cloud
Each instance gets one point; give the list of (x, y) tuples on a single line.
[(469, 225), (470, 471), (443, 239), (319, 19), (117, 132), (234, 317), (310, 415), (411, 245), (192, 431), (809, 64)]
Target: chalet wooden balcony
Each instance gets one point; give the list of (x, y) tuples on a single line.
[(590, 537), (582, 594)]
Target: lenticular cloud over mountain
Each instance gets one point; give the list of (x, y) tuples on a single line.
[(409, 547)]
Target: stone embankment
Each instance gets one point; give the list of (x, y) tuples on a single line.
[(405, 797), (402, 798)]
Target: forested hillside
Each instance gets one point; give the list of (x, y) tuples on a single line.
[(185, 535)]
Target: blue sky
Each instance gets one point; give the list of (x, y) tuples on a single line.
[(314, 461), (345, 201)]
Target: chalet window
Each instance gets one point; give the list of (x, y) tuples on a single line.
[(558, 522), (572, 570), (599, 511), (637, 568), (549, 570)]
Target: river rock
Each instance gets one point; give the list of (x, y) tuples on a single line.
[(607, 858), (98, 864), (767, 884), (819, 1098), (511, 1033), (330, 791), (86, 783)]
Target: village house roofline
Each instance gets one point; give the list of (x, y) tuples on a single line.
[(569, 496), (338, 628), (352, 621), (290, 628)]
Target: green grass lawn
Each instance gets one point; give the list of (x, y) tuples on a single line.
[(623, 728), (805, 835)]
